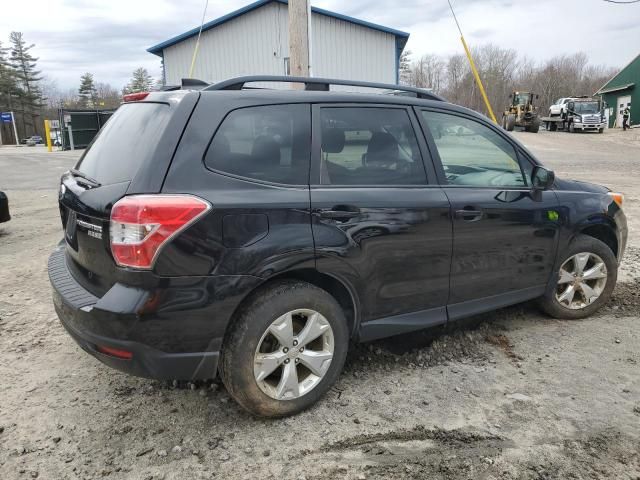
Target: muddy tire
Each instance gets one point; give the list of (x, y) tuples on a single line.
[(511, 122), (583, 281), (270, 363)]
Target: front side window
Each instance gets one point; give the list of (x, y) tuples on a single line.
[(369, 146), (268, 143), (473, 154)]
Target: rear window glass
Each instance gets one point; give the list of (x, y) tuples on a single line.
[(125, 142), (268, 143)]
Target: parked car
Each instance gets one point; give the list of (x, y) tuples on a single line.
[(254, 233), (33, 140), (4, 208)]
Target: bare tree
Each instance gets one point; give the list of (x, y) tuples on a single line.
[(428, 72), (108, 96), (503, 71)]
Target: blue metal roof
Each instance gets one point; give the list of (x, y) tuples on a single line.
[(401, 37)]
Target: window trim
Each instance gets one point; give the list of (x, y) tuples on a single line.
[(296, 186), (442, 179), (316, 144)]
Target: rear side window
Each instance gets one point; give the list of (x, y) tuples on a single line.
[(268, 143), (369, 146), (125, 142)]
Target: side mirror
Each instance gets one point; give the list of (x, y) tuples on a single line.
[(541, 178), (537, 96), (511, 95)]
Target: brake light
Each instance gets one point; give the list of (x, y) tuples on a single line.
[(135, 97), (141, 224), (617, 197)]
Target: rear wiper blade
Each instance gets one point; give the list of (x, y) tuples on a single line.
[(87, 179)]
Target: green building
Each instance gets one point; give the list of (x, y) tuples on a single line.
[(621, 91)]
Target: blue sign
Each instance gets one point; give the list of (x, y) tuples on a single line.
[(6, 117)]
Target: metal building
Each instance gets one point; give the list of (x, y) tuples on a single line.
[(254, 40), (621, 91)]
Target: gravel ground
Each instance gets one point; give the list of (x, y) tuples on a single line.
[(508, 395)]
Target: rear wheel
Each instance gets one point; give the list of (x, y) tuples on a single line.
[(285, 349), (584, 280), (511, 122)]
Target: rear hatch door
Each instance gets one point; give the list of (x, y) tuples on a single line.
[(130, 155)]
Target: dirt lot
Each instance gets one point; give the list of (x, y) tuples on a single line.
[(508, 395)]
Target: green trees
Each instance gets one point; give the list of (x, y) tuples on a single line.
[(87, 93), (20, 90), (26, 76), (141, 81)]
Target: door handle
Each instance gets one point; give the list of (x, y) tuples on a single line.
[(339, 212), (469, 215)]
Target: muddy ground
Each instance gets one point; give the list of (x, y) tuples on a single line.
[(508, 395)]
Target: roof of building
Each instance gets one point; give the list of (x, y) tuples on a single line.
[(608, 87), (401, 37)]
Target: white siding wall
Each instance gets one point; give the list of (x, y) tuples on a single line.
[(257, 43)]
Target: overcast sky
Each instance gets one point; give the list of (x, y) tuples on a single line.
[(110, 38)]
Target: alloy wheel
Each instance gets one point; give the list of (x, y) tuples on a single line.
[(294, 354), (581, 280)]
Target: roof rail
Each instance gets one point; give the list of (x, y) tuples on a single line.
[(319, 84)]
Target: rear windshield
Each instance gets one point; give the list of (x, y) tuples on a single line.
[(125, 142)]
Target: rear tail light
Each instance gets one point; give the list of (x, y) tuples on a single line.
[(141, 224), (135, 97)]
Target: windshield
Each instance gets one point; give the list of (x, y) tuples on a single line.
[(587, 107), (125, 142), (522, 98)]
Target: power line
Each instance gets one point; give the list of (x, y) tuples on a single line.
[(623, 2)]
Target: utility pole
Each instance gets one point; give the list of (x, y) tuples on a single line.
[(299, 38)]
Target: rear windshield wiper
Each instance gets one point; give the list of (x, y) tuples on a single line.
[(86, 178)]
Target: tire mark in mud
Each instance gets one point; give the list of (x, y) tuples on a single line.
[(453, 438)]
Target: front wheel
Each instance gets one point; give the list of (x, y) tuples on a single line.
[(584, 280), (285, 350)]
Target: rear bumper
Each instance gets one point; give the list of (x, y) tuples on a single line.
[(145, 361), (173, 333)]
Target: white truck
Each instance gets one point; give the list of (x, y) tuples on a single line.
[(558, 109), (579, 114)]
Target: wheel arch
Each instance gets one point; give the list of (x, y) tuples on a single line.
[(339, 289), (600, 228)]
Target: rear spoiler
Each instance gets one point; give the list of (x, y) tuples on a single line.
[(186, 84)]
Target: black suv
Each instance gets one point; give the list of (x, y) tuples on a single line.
[(255, 232)]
